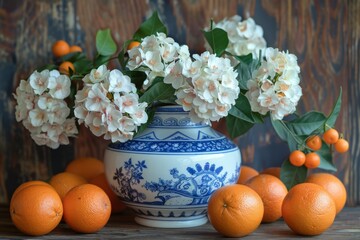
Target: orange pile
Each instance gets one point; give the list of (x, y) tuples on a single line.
[(37, 207)]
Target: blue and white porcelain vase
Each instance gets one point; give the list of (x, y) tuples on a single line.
[(167, 173)]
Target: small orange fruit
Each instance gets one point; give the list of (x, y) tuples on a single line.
[(116, 204), (308, 209), (87, 208), (341, 145), (86, 167), (235, 210), (331, 136), (60, 48), (75, 48), (332, 185), (314, 142), (272, 192), (29, 183), (297, 158), (133, 44), (246, 173), (65, 67), (275, 171), (36, 209), (63, 182), (312, 160)]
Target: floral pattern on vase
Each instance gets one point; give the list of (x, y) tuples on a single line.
[(196, 185)]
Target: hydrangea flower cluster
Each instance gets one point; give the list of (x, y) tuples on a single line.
[(156, 55), (109, 105), (206, 86), (245, 36), (42, 109), (274, 87)]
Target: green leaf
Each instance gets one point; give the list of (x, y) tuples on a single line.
[(242, 109), (307, 124), (72, 57), (326, 158), (245, 69), (286, 134), (100, 60), (331, 119), (83, 66), (159, 91), (48, 67), (151, 26), (137, 77), (105, 44), (217, 39), (236, 126), (246, 59), (291, 175)]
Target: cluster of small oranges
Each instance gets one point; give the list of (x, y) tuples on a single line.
[(311, 159), (308, 208), (61, 48), (80, 196)]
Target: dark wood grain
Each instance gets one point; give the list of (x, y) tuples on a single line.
[(123, 226), (323, 34)]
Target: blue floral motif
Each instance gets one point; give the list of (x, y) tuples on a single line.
[(126, 177), (194, 189)]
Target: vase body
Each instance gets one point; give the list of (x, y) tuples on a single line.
[(167, 173)]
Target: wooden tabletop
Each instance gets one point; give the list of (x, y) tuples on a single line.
[(122, 226)]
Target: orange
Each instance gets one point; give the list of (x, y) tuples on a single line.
[(116, 204), (86, 167), (65, 67), (60, 48), (246, 173), (272, 192), (87, 208), (275, 171), (133, 44), (36, 209), (341, 145), (75, 48), (332, 185), (312, 160), (63, 182), (29, 183), (297, 158), (314, 142), (235, 210), (331, 136), (308, 209)]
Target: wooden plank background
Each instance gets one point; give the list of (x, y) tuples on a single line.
[(323, 34)]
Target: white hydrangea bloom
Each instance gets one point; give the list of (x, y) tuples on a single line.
[(274, 87), (42, 109), (245, 36), (110, 107), (207, 88), (155, 56)]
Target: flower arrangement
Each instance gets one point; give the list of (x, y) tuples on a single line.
[(238, 78)]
